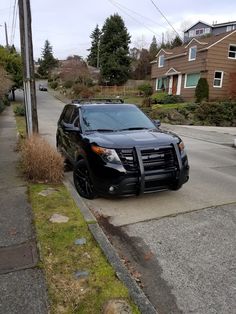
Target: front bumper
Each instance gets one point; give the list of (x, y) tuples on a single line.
[(143, 177)]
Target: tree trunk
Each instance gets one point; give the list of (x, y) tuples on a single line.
[(13, 94)]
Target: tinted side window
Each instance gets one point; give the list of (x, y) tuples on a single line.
[(74, 115), (77, 122), (67, 114)]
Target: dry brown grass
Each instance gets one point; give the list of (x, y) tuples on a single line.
[(41, 162)]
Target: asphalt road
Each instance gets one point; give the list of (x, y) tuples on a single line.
[(182, 243)]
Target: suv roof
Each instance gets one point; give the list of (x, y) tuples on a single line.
[(98, 101)]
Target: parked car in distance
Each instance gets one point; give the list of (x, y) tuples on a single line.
[(116, 150), (43, 88)]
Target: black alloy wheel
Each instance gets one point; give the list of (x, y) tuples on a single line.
[(82, 181)]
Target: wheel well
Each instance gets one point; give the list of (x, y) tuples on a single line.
[(79, 158)]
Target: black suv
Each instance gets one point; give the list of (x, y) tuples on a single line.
[(115, 149)]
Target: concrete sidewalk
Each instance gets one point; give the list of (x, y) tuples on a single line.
[(211, 134), (22, 284)]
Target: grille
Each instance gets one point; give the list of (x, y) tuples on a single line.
[(159, 159), (154, 168), (128, 159)]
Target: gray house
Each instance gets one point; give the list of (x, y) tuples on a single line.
[(200, 29)]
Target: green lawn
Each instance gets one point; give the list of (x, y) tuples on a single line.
[(170, 106)]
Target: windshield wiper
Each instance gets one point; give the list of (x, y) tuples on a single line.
[(134, 128), (101, 130)]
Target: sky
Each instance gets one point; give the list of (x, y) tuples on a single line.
[(68, 24)]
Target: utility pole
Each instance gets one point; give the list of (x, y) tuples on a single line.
[(7, 44), (28, 64)]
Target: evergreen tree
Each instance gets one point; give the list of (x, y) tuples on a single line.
[(114, 51), (94, 50), (47, 62), (153, 49), (176, 42), (202, 90)]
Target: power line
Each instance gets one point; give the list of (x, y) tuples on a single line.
[(9, 15), (14, 27), (13, 21), (146, 18), (159, 10), (116, 5)]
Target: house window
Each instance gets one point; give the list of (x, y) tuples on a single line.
[(230, 28), (232, 52), (192, 53), (199, 31), (207, 30), (191, 80), (218, 79), (161, 83), (161, 61), (191, 33)]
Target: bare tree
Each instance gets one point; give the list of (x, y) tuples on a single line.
[(74, 69)]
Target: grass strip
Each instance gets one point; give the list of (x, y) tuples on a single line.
[(62, 258)]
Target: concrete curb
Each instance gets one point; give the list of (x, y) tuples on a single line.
[(136, 293)]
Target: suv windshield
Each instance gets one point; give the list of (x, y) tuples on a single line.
[(107, 118)]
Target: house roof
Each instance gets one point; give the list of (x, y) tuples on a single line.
[(203, 44), (196, 24), (212, 26), (213, 40), (223, 24)]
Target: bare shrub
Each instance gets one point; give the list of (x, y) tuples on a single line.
[(41, 162)]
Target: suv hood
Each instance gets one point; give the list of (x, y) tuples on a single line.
[(128, 139)]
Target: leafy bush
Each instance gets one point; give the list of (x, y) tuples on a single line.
[(4, 101), (68, 84), (172, 99), (77, 89), (87, 93), (164, 98), (2, 106), (41, 162), (215, 113), (146, 89), (202, 90), (54, 84), (83, 91), (19, 110), (158, 97), (169, 115)]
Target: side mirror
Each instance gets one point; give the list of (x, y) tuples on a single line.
[(157, 123), (70, 127)]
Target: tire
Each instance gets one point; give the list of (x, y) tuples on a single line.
[(82, 180)]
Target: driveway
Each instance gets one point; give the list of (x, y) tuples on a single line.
[(180, 245)]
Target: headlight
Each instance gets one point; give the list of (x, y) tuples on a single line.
[(181, 146), (107, 154)]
